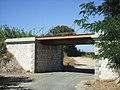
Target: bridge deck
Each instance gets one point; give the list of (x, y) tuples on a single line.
[(70, 40)]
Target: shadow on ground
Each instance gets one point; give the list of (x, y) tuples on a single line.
[(80, 70), (72, 69), (11, 82)]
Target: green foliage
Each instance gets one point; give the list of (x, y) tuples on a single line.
[(61, 31), (109, 28), (89, 54), (69, 50), (6, 32)]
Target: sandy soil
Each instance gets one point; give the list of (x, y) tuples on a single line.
[(89, 63), (84, 62), (97, 85)]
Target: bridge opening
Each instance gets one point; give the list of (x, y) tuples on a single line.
[(77, 62), (45, 54)]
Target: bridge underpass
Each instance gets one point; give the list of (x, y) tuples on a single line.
[(44, 54), (59, 41), (41, 54)]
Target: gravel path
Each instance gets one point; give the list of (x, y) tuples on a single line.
[(58, 81)]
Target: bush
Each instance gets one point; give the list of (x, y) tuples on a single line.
[(6, 32)]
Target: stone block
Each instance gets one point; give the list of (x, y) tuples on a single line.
[(48, 57)]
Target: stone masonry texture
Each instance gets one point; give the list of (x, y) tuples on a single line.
[(48, 58), (24, 51), (102, 70), (34, 56)]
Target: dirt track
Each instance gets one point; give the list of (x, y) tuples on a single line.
[(85, 62), (66, 80)]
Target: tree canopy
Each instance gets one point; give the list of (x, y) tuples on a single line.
[(69, 50), (61, 30), (109, 28)]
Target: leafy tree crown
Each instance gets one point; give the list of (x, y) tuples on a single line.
[(109, 28)]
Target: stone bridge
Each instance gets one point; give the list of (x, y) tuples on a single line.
[(43, 54)]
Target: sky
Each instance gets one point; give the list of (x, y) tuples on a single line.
[(29, 14)]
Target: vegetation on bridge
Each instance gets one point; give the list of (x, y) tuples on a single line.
[(69, 50), (61, 30)]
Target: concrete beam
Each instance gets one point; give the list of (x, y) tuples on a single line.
[(26, 39), (65, 37)]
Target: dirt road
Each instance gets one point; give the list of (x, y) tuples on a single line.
[(85, 62), (57, 81), (67, 80)]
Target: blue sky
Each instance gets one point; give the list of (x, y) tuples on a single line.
[(29, 14)]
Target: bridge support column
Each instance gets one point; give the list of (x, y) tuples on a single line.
[(48, 57)]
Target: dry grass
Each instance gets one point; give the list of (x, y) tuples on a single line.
[(8, 63), (101, 85), (69, 61)]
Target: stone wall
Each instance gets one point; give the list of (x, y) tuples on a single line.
[(23, 50), (34, 56), (102, 70), (48, 58)]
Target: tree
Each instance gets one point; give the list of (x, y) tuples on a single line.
[(109, 28), (70, 50), (6, 32), (61, 30)]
